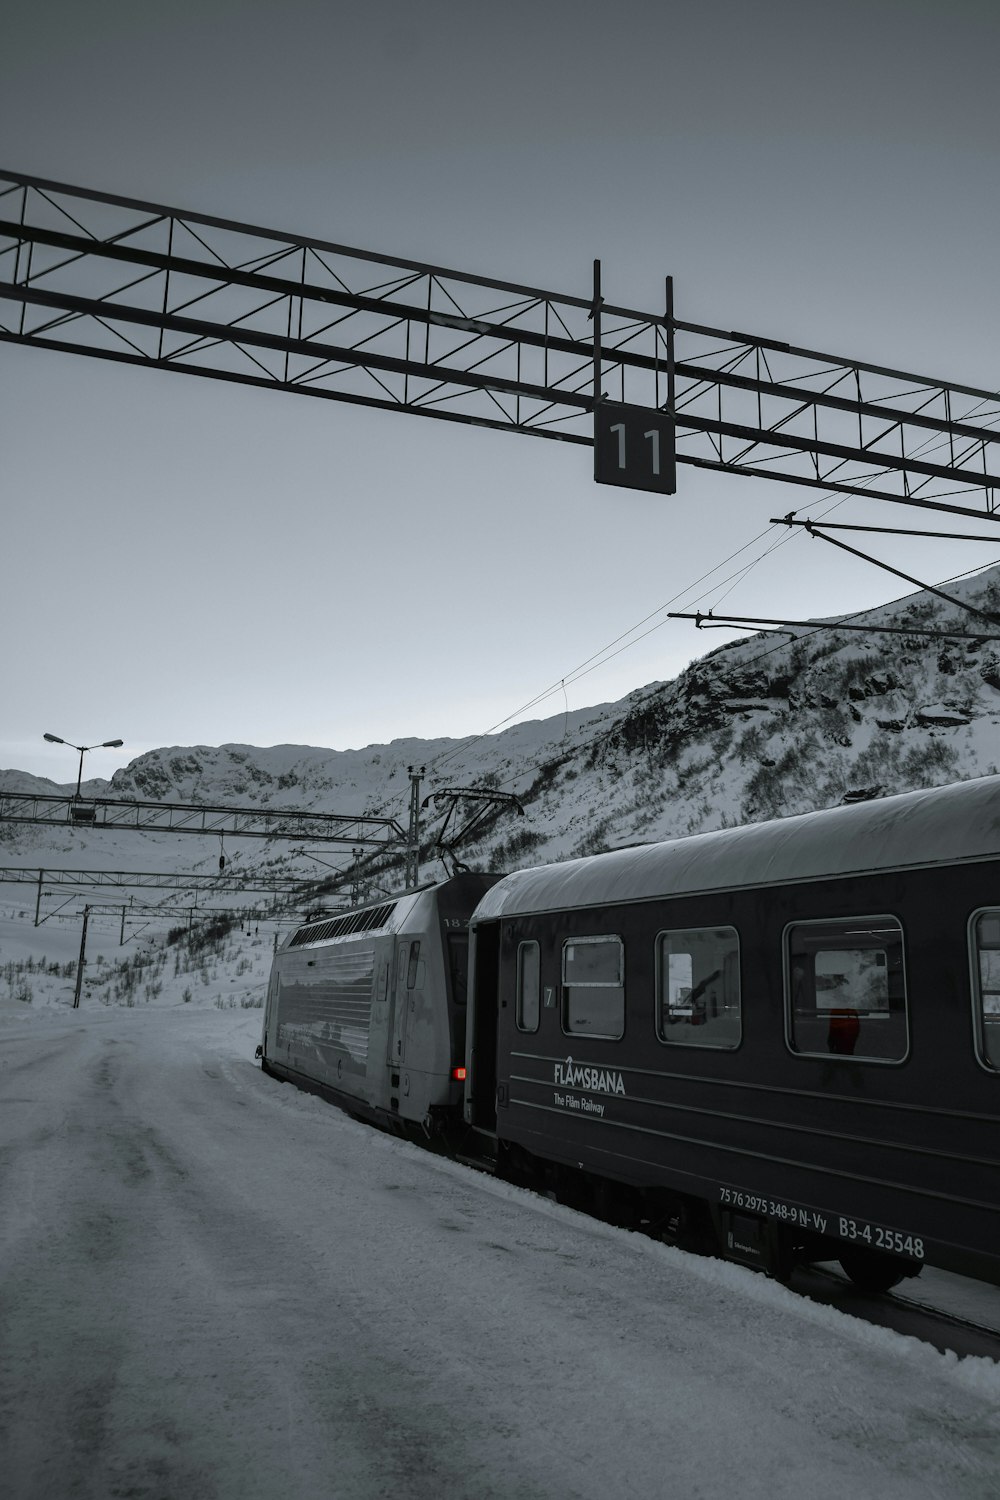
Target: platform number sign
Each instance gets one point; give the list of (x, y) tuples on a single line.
[(634, 447)]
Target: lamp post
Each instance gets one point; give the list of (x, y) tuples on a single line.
[(55, 739)]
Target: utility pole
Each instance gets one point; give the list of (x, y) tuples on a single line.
[(413, 830), (356, 877), (82, 959)]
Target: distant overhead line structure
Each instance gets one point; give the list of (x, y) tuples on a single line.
[(122, 279), (360, 830), (153, 880), (197, 886), (193, 913)]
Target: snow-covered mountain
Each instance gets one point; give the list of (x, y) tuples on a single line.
[(771, 725)]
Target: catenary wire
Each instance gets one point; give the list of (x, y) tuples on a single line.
[(629, 638)]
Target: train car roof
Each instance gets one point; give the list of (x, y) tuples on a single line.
[(938, 826)]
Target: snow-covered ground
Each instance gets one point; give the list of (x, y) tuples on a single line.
[(216, 1286), (38, 964)]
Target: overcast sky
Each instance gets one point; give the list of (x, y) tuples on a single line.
[(193, 562)]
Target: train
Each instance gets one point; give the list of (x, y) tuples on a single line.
[(778, 1043), (369, 1007)]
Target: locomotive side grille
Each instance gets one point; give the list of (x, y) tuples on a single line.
[(366, 920), (334, 1011)]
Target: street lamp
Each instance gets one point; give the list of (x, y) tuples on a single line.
[(54, 739)]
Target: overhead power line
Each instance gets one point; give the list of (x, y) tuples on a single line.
[(971, 609), (759, 622), (945, 536)]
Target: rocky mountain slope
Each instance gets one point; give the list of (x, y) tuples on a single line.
[(763, 727)]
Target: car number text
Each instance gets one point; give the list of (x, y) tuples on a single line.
[(859, 1231)]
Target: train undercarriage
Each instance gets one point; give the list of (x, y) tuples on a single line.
[(692, 1224)]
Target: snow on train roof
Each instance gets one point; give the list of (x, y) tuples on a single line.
[(941, 825)]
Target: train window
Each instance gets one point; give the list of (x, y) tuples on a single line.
[(593, 976), (414, 975), (845, 991), (984, 933), (528, 973), (698, 987)]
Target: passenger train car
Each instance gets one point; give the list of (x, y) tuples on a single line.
[(780, 1040), (368, 1007)]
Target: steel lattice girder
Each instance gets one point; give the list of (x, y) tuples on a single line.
[(181, 817), (123, 279), (153, 880), (147, 914)]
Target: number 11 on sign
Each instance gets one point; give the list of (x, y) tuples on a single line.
[(654, 438), (634, 447)]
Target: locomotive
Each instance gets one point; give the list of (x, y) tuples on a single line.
[(778, 1042), (369, 1007)]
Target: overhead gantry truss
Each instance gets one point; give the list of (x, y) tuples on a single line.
[(148, 914), (153, 880), (182, 884), (122, 279), (362, 830)]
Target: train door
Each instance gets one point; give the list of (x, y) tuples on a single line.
[(269, 1031), (481, 1036), (397, 1020)]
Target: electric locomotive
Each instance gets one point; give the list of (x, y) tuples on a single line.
[(368, 1007)]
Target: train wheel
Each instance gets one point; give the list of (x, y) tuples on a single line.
[(874, 1273)]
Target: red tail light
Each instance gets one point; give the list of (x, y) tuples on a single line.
[(458, 1074)]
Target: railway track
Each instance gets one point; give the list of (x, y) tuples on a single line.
[(952, 1313)]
